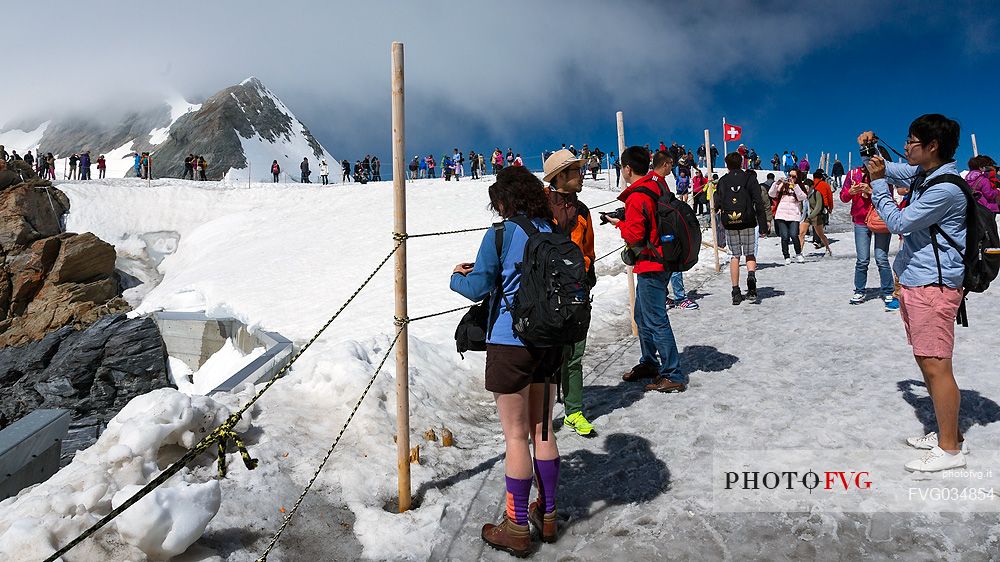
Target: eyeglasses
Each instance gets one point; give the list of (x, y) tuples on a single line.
[(912, 141)]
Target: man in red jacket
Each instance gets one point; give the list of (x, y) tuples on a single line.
[(660, 358)]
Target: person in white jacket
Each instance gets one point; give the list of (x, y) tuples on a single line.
[(788, 213), (324, 172)]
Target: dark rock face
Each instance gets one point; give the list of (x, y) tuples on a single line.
[(93, 372), (214, 131)]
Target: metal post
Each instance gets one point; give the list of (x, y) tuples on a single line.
[(402, 349), (850, 166), (975, 148), (631, 275), (711, 204)]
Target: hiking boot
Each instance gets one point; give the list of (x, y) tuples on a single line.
[(737, 296), (508, 537), (546, 523), (858, 298), (688, 304), (640, 371), (579, 424), (936, 460), (930, 441), (663, 384)]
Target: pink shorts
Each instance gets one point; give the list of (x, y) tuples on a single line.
[(929, 317)]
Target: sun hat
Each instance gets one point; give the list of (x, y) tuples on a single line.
[(557, 162)]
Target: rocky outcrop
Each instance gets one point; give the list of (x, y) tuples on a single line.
[(94, 371), (48, 278)]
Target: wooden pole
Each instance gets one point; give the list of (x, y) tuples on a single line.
[(149, 170), (399, 228), (628, 269), (975, 148), (249, 173), (608, 158), (711, 205)]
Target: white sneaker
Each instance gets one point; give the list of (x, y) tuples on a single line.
[(800, 259), (930, 441), (936, 459), (788, 261)]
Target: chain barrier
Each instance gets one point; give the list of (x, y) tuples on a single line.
[(615, 251), (224, 432)]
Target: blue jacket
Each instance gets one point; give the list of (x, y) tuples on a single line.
[(483, 280), (943, 204)]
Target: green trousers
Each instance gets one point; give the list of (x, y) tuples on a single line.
[(572, 377)]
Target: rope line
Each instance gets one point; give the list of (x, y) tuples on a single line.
[(329, 452), (604, 204), (615, 251), (223, 433), (447, 232)]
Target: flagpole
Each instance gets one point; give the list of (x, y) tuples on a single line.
[(725, 150)]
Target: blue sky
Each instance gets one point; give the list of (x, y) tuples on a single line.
[(806, 75)]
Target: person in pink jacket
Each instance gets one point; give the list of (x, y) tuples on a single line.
[(981, 178), (858, 192), (790, 196)]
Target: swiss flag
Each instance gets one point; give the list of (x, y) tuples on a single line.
[(732, 132)]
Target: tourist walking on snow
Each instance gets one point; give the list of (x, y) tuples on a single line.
[(660, 357), (857, 191), (202, 169), (820, 201), (275, 170), (838, 173), (73, 160), (931, 270), (346, 166), (519, 377), (738, 197), (324, 172), (102, 167), (189, 164), (376, 169), (788, 212), (572, 216)]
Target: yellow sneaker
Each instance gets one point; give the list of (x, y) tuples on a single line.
[(578, 423)]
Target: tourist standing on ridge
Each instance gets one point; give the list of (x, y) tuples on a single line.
[(660, 357), (519, 376), (562, 171), (324, 172), (304, 168), (738, 198), (838, 173), (73, 160), (376, 169), (102, 167), (50, 161), (189, 167), (202, 169), (345, 165), (474, 164), (715, 155), (275, 170)]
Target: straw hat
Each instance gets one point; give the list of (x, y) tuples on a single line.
[(557, 162)]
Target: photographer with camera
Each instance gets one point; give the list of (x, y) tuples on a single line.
[(930, 267), (660, 358)]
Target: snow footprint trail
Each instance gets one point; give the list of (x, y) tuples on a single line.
[(802, 370)]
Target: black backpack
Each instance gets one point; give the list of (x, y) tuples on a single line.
[(677, 227), (981, 259), (736, 200), (552, 303)]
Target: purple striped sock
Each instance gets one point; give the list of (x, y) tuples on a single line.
[(518, 491), (548, 481)]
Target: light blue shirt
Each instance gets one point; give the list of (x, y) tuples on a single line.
[(943, 204)]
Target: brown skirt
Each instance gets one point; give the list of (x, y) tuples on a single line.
[(510, 368)]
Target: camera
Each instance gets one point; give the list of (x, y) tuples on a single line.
[(618, 213), (869, 149)]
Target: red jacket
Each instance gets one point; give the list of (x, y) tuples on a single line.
[(636, 224)]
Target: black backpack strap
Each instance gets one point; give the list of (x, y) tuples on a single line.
[(525, 224), (498, 231)]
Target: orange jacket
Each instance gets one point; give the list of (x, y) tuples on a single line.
[(566, 206), (827, 191)]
